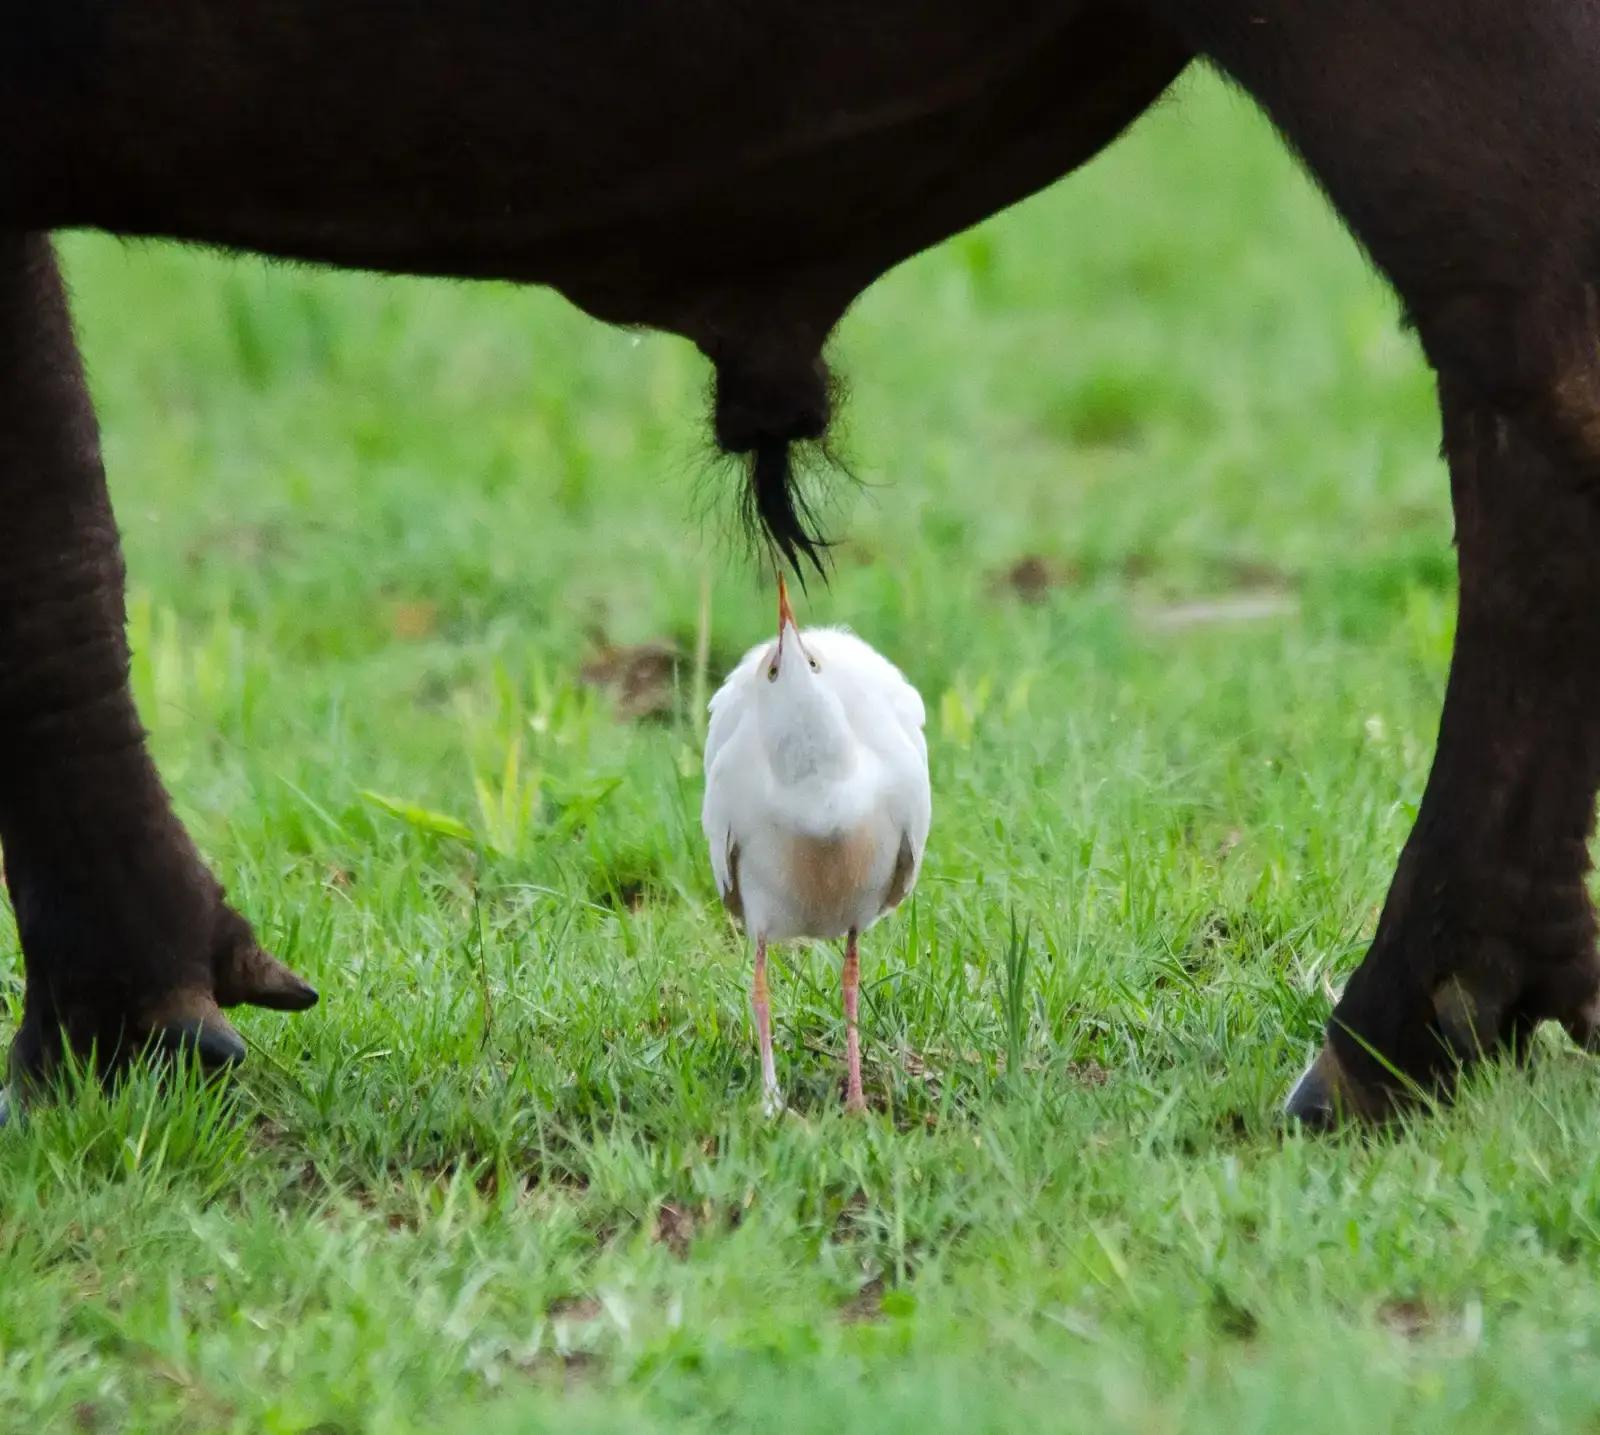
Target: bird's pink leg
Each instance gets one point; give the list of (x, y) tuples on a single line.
[(771, 1096), (854, 1099)]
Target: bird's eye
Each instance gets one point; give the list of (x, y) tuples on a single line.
[(816, 667), (772, 673)]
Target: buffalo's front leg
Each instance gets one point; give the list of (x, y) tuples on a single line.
[(125, 935), (1488, 928)]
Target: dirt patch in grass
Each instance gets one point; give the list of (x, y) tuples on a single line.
[(675, 1228), (1033, 578), (865, 1307), (641, 678), (1408, 1317)]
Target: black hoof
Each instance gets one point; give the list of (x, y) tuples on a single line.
[(1312, 1103), (1328, 1097), (300, 996), (247, 974), (216, 1044)]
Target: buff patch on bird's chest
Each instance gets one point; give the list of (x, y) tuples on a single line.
[(829, 873)]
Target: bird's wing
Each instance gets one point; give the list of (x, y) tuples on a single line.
[(725, 758), (904, 876), (728, 706), (887, 716), (872, 688), (723, 845), (906, 704), (732, 897), (908, 794), (908, 803)]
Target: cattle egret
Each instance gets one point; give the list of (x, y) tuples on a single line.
[(817, 804)]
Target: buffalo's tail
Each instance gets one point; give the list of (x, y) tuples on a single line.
[(769, 404)]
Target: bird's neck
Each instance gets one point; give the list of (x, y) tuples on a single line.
[(806, 735)]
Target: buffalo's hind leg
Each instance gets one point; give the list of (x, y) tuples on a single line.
[(126, 939), (1459, 144), (1488, 928)]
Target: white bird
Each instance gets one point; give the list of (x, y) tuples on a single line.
[(817, 803)]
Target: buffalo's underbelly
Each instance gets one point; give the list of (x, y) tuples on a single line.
[(630, 153)]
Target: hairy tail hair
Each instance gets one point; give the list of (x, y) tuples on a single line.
[(766, 405)]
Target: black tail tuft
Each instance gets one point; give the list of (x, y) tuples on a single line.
[(780, 511), (765, 406)]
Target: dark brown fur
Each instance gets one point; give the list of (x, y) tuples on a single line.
[(738, 174)]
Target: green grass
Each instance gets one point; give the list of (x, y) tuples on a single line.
[(511, 1174)]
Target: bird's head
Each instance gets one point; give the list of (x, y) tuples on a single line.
[(791, 661), (803, 722)]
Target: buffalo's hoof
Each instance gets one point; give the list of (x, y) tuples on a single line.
[(187, 1026), (244, 973), (1327, 1096), (209, 1039), (1490, 1011), (1312, 1102), (185, 1021), (194, 1031)]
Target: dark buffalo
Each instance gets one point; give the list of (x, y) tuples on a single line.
[(738, 173)]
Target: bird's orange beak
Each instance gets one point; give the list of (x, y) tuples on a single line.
[(785, 612)]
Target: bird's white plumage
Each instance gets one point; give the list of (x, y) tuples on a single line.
[(817, 793)]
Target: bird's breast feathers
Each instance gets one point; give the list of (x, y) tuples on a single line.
[(805, 884), (831, 874)]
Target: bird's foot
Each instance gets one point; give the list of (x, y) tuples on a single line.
[(772, 1103)]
